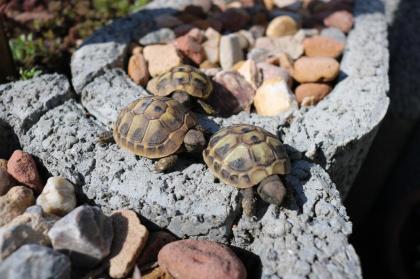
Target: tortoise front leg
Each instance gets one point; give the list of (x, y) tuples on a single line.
[(105, 138), (272, 190), (167, 163), (248, 202)]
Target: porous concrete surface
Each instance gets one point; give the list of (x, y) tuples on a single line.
[(336, 133), (305, 238)]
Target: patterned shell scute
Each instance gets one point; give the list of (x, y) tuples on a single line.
[(153, 127), (187, 79), (243, 155)]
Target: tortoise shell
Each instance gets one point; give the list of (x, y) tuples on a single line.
[(243, 155), (153, 127), (184, 78)]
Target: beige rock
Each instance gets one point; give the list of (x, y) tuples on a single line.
[(230, 51), (211, 46), (130, 236), (281, 26), (5, 182), (285, 62), (286, 44), (250, 72), (208, 65), (161, 58), (137, 69), (14, 203), (315, 69), (323, 46), (274, 97), (58, 197), (309, 94), (269, 4), (156, 273), (269, 71), (342, 20), (3, 164)]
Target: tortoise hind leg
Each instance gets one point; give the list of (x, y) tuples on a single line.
[(248, 202), (165, 164), (272, 190)]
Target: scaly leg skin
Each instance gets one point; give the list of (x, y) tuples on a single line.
[(105, 138), (248, 202), (272, 190), (166, 164)]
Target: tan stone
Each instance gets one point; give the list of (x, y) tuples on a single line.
[(323, 46), (156, 273), (161, 58), (281, 26), (14, 203), (274, 97), (211, 46), (58, 196), (137, 69), (342, 20), (309, 94), (285, 44), (130, 236), (250, 72), (315, 69), (269, 4), (3, 164), (5, 182)]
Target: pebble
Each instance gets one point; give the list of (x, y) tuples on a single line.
[(259, 54), (5, 181), (288, 44), (155, 242), (248, 37), (342, 20), (161, 58), (180, 259), (58, 197), (315, 69), (232, 93), (190, 48), (203, 24), (156, 273), (274, 97), (323, 46), (130, 237), (281, 26), (270, 71), (36, 261), (21, 166), (250, 72), (14, 203), (167, 21), (309, 94), (197, 34), (230, 51), (211, 46), (13, 237), (137, 69), (160, 36), (289, 4), (334, 33), (269, 4), (85, 234)]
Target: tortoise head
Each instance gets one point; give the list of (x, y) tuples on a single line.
[(272, 190)]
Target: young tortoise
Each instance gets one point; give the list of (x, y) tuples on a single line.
[(157, 128), (184, 82), (243, 156)]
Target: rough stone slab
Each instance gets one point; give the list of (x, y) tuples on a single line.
[(107, 94), (23, 102)]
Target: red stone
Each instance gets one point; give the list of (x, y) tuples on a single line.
[(342, 20), (21, 166), (191, 49)]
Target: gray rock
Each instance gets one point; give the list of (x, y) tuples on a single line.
[(35, 261), (230, 51), (259, 54), (85, 234), (334, 33), (160, 36), (13, 237)]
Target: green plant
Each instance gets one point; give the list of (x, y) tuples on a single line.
[(25, 49), (29, 73)]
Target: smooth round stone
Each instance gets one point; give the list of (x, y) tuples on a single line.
[(137, 69), (270, 71), (190, 48), (230, 51), (58, 197), (211, 45), (323, 46), (5, 182), (342, 20), (14, 203), (334, 33), (250, 72), (161, 36), (281, 26), (21, 166), (189, 259), (309, 94), (161, 58), (315, 69), (274, 97)]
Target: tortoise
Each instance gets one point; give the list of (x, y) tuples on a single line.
[(243, 156), (184, 82), (157, 128)]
